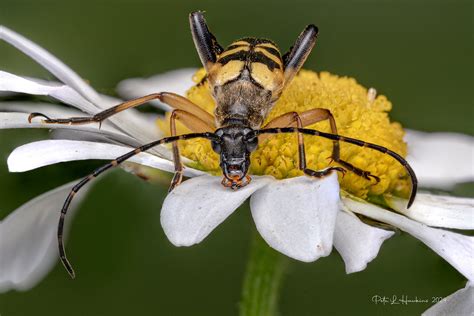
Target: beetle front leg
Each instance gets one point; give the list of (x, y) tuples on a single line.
[(195, 124)]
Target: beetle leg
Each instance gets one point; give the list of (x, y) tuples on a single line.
[(293, 119), (195, 124), (325, 114), (99, 171), (191, 115), (354, 141), (174, 100)]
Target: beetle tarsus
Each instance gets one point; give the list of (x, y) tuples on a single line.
[(177, 179), (36, 114)]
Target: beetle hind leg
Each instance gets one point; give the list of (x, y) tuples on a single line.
[(361, 173), (323, 173), (308, 118)]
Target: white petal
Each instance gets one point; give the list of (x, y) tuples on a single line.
[(197, 206), (15, 120), (456, 249), (438, 210), (11, 82), (356, 242), (52, 110), (441, 160), (130, 122), (51, 63), (6, 93), (106, 133), (177, 81), (136, 124), (28, 244), (459, 303), (48, 152), (20, 120), (74, 83), (297, 216)]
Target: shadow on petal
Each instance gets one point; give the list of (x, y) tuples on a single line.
[(176, 81), (459, 303), (297, 216), (63, 93), (437, 168), (48, 152), (455, 248), (356, 242), (437, 210), (28, 244), (194, 208)]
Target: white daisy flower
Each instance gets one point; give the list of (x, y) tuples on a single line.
[(301, 217)]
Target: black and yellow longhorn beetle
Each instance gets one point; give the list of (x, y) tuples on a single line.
[(246, 79)]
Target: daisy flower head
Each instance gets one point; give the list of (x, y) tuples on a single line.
[(299, 216)]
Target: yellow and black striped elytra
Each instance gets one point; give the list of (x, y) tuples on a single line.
[(245, 79), (254, 70), (251, 50), (248, 77)]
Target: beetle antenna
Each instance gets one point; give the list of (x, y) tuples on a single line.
[(357, 142), (98, 171)]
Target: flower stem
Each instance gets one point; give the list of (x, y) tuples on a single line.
[(262, 282)]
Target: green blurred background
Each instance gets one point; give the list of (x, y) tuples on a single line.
[(418, 53)]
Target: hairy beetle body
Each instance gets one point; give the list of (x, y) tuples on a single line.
[(246, 80)]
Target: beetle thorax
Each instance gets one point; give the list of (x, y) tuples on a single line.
[(243, 100)]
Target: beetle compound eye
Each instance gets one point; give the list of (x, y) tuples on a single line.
[(216, 146), (251, 144)]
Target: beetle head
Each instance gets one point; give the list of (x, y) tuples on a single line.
[(234, 147)]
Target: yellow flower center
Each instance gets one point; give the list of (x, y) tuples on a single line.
[(356, 116)]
